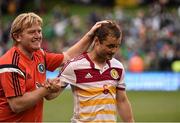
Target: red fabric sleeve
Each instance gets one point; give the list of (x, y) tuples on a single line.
[(12, 84), (53, 60)]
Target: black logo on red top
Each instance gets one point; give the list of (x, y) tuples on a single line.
[(28, 76)]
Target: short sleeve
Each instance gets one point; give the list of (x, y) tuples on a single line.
[(53, 60), (12, 84), (67, 74), (121, 84)]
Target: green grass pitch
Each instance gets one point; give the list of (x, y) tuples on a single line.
[(148, 106)]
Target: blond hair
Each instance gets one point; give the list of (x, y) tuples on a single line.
[(23, 21)]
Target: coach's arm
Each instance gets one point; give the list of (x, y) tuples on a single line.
[(27, 100)]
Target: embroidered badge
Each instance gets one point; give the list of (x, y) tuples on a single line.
[(114, 74), (41, 68)]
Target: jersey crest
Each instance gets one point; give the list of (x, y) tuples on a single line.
[(41, 68), (114, 74)]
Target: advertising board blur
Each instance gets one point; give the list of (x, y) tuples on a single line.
[(150, 81), (166, 81)]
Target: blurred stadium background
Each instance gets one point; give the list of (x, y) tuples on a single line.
[(150, 50)]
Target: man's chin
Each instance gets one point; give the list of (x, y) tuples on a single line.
[(37, 48), (109, 58)]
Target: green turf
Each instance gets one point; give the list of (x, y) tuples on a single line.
[(59, 109), (155, 106), (147, 106)]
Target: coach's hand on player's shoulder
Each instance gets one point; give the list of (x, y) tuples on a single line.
[(53, 85)]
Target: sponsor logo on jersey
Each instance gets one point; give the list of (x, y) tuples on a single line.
[(105, 89), (28, 76), (88, 75)]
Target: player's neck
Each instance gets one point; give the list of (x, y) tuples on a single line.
[(96, 59)]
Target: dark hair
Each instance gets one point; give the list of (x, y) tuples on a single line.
[(108, 29)]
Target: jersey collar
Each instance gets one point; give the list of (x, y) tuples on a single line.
[(92, 63)]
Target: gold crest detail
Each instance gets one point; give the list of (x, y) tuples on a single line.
[(114, 74)]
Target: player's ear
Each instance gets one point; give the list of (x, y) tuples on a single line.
[(16, 37), (96, 39)]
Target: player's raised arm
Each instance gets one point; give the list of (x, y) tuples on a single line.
[(82, 45)]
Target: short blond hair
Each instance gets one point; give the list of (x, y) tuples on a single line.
[(23, 21)]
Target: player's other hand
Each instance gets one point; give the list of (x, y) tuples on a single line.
[(53, 85)]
